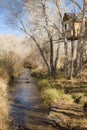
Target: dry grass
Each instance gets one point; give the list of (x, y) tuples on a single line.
[(71, 113), (43, 84), (10, 66), (51, 90), (39, 73), (4, 106), (53, 95), (50, 94), (64, 98)]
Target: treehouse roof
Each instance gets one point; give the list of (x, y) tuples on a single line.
[(72, 17)]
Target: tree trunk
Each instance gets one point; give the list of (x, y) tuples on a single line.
[(56, 60), (66, 59), (51, 58), (81, 41), (42, 54), (72, 59)]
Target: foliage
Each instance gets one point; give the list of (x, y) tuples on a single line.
[(43, 84), (50, 95), (35, 72), (39, 73)]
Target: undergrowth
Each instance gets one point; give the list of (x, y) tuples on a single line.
[(10, 66), (50, 94)]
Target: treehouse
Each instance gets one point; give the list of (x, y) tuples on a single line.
[(86, 28), (72, 25), (85, 1)]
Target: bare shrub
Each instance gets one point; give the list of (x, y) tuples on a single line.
[(30, 62), (10, 65)]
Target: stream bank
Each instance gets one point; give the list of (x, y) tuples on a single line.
[(27, 111)]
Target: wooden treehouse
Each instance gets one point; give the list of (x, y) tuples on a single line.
[(72, 25)]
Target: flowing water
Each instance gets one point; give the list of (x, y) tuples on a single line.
[(27, 111)]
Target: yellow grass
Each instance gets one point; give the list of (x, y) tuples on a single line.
[(4, 106), (10, 65)]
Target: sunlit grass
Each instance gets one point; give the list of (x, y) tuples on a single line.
[(35, 72), (39, 73), (49, 95), (52, 95), (43, 84)]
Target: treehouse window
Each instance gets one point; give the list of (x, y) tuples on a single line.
[(66, 26)]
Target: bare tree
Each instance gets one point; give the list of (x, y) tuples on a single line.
[(42, 21), (81, 40), (69, 65), (35, 20)]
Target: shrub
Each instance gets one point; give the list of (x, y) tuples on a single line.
[(4, 75), (68, 98), (10, 66), (60, 91), (43, 84), (35, 72), (49, 95)]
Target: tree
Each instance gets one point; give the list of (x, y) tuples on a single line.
[(42, 21), (81, 40), (34, 18), (69, 65)]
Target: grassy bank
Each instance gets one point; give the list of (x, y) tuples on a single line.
[(10, 66), (58, 88), (66, 98), (4, 106), (50, 89)]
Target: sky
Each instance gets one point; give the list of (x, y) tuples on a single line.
[(5, 30)]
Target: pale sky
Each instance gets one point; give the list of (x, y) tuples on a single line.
[(5, 30)]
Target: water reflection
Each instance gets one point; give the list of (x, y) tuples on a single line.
[(26, 107)]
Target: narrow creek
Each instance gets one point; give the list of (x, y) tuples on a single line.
[(27, 111)]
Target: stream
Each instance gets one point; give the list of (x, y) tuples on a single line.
[(27, 110)]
